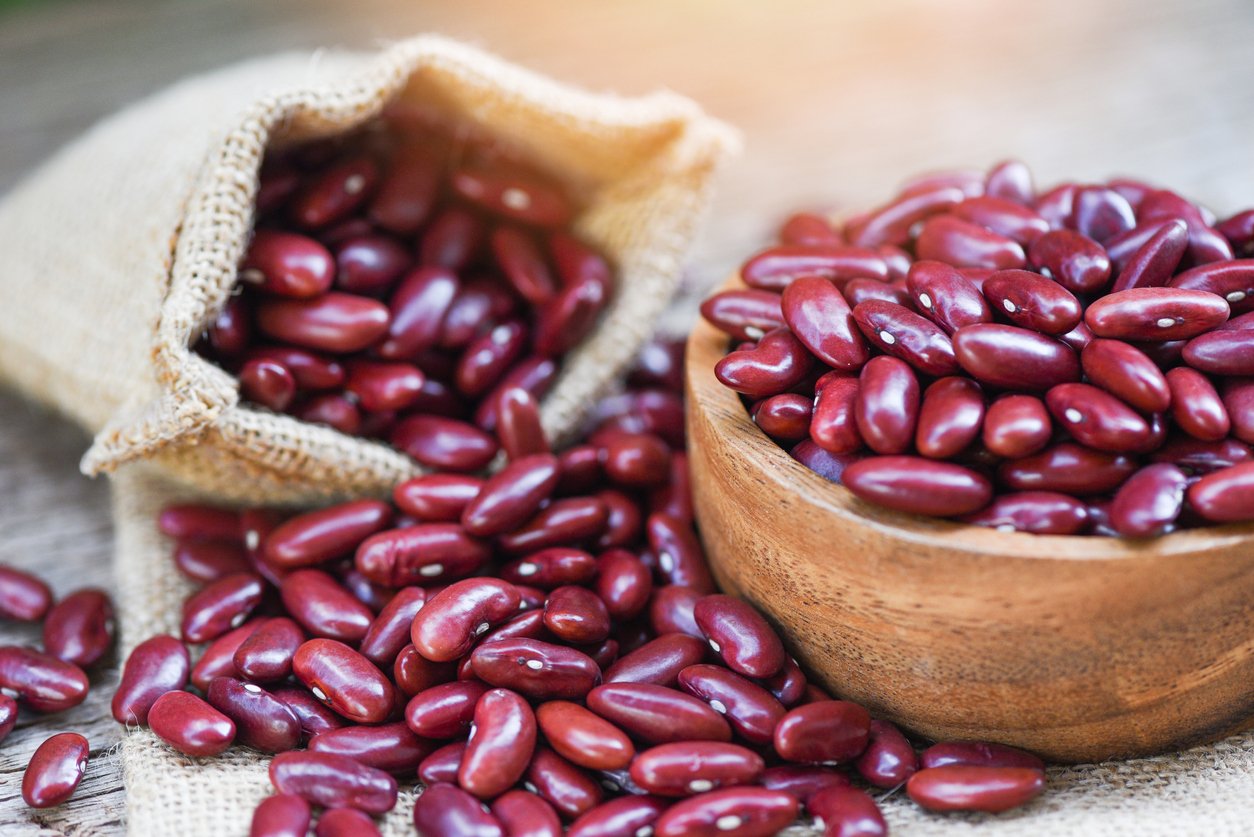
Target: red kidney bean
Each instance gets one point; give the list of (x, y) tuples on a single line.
[(636, 460), (901, 333), (789, 685), (949, 418), (889, 758), (523, 814), (568, 521), (1226, 495), (344, 680), (445, 710), (748, 812), (777, 267), (1101, 213), (424, 553), (489, 357), (220, 607), (808, 228), (267, 383), (1149, 502), (692, 767), (55, 770), (502, 740), (1238, 398), (218, 659), (1078, 337), (266, 655), (335, 411), (891, 224), (8, 715), (390, 630), (857, 291), (369, 264), (445, 809), (1205, 244), (752, 711), (437, 497), (1127, 373), (381, 386), (563, 322), (918, 486), (801, 782), (1196, 456), (334, 322), (659, 661), (1196, 406), (345, 822), (319, 536), (1017, 426), (1233, 280), (287, 264), (564, 786), (1222, 352), (739, 634), (190, 725), (1010, 180), (334, 193), (314, 716), (310, 371), (1031, 301), (523, 264), (281, 815), (1069, 469), (778, 363), (887, 405), (417, 312), (232, 330), (539, 670), (513, 193), (1155, 314), (407, 191), (945, 296), (79, 628), (969, 181), (448, 625), (333, 781), (1004, 217), (323, 607), (442, 764), (625, 816), (576, 615), (657, 714), (1096, 418), (452, 239), (846, 812), (824, 732), (1153, 262), (1071, 259), (443, 443), (978, 754), (41, 681), (680, 557), (1037, 512), (205, 561), (820, 318), (833, 425), (23, 597), (744, 314), (963, 244), (670, 611), (624, 583), (552, 567), (511, 497), (1014, 358), (1238, 229), (414, 673), (261, 720), (199, 523), (584, 738), (518, 428), (967, 788)]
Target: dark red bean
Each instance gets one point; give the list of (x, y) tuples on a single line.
[(978, 754), (417, 312), (40, 681), (281, 815), (1233, 280), (576, 615), (846, 812), (1149, 503), (345, 822), (889, 758), (584, 738), (445, 710), (319, 536), (523, 264), (808, 228), (1226, 495), (945, 296), (1238, 398), (323, 607), (511, 497), (821, 319), (1069, 469), (567, 788), (448, 625), (657, 714), (287, 264), (1010, 180), (335, 411), (333, 781), (539, 670), (789, 686), (625, 816), (23, 597), (1156, 314), (221, 606), (967, 788), (311, 372), (452, 239), (1196, 406), (752, 711), (833, 425), (563, 322), (314, 716), (1127, 373), (659, 661), (267, 383), (776, 364), (637, 460), (670, 611), (519, 429), (1037, 512), (775, 268), (344, 680), (801, 782), (891, 224), (513, 193), (445, 809), (334, 193), (823, 732), (739, 634), (551, 568), (748, 812), (900, 332), (918, 486), (79, 628), (623, 523), (1004, 217), (949, 418), (231, 332), (369, 264), (1017, 426), (691, 767), (8, 716), (624, 583), (1071, 259), (679, 554), (266, 655), (1031, 301), (524, 814), (390, 630), (420, 554), (382, 386), (964, 244), (190, 725), (1228, 352), (443, 443), (744, 314), (1014, 358), (857, 291), (1200, 457), (568, 521), (502, 740), (1101, 213), (1096, 418), (199, 523), (969, 181), (407, 191), (218, 660), (205, 561), (442, 764), (334, 322), (437, 497), (55, 769), (414, 673), (261, 720), (887, 405), (1153, 262), (489, 357)]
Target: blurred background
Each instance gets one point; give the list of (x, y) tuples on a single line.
[(838, 101)]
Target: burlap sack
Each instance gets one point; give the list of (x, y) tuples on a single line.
[(1207, 790), (122, 248)]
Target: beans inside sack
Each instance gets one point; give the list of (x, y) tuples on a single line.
[(1076, 361)]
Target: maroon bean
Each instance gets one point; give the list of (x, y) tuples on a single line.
[(967, 788), (657, 714), (524, 814), (1031, 301), (79, 628), (1149, 502), (518, 427), (1069, 469), (261, 720), (691, 767), (424, 553), (266, 655), (1037, 512), (442, 764), (846, 812), (417, 312), (949, 418), (1196, 456), (625, 816), (748, 812), (552, 567), (220, 607), (437, 497), (1153, 262), (523, 264), (775, 268), (512, 496), (789, 685), (334, 322), (889, 758), (1205, 244), (1078, 337), (1222, 352), (637, 460), (670, 611), (42, 682), (623, 523), (739, 634), (679, 554), (407, 191), (445, 809), (887, 406), (900, 332), (801, 782), (1226, 495), (576, 615), (344, 680), (314, 716), (390, 630), (335, 411), (445, 710), (808, 228), (891, 224), (1196, 406), (267, 383), (969, 181), (369, 264), (539, 670), (823, 732), (1014, 358), (945, 296), (918, 486), (287, 264), (659, 661), (1071, 259), (833, 425), (448, 625), (963, 244), (232, 330), (820, 318), (1127, 373), (55, 769), (218, 660), (1156, 314), (452, 239), (978, 754), (311, 372), (744, 314), (777, 363), (584, 738), (345, 822), (8, 715), (624, 583), (513, 193), (857, 291), (323, 607), (568, 521), (502, 740), (567, 788), (281, 815), (675, 497), (199, 523), (23, 597), (190, 725), (1238, 398), (334, 193), (1101, 213), (1096, 418), (489, 357), (752, 711), (205, 561), (382, 386), (1010, 180), (414, 673), (333, 781), (1232, 280), (563, 322), (1004, 217), (444, 443), (319, 536), (1017, 426)]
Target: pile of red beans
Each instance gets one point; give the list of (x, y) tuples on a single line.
[(399, 281), (1079, 361)]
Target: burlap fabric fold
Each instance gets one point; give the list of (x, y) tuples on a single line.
[(1204, 791), (123, 247)]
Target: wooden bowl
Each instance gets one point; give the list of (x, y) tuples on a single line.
[(1077, 648)]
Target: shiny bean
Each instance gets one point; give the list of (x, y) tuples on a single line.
[(261, 720), (157, 665), (775, 268), (79, 628), (1004, 217), (1010, 180), (445, 809), (624, 583), (218, 660), (442, 764), (334, 322), (333, 781), (776, 364), (392, 748), (846, 812), (821, 319), (1228, 353), (267, 383), (512, 496), (519, 428), (967, 788), (1031, 301), (889, 758), (898, 331), (918, 486), (691, 767), (390, 630), (287, 264), (1233, 280), (739, 634), (747, 812), (833, 425), (1196, 406), (891, 224), (323, 607), (54, 770), (551, 568), (232, 330), (417, 310), (344, 680), (1238, 398), (539, 670), (887, 405), (857, 291), (1069, 469), (220, 606), (281, 815), (1037, 512), (680, 556), (420, 554), (1017, 426), (564, 322), (314, 716), (625, 816), (945, 296), (502, 740), (963, 244), (824, 732), (1156, 314), (659, 661), (670, 611), (1008, 357), (448, 625), (445, 710), (566, 522), (322, 535), (1126, 373), (345, 822), (752, 711), (656, 714), (1226, 495), (1153, 262), (1101, 213), (190, 725), (744, 314), (334, 193), (576, 615), (437, 498), (512, 193), (949, 418), (443, 443), (524, 814), (369, 264), (1071, 259), (414, 673), (567, 788), (199, 523), (1096, 418), (978, 754)]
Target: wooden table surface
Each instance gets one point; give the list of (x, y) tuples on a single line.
[(837, 101)]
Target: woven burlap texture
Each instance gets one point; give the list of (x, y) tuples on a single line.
[(1207, 790), (123, 247)]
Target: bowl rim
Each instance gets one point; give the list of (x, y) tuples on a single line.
[(707, 396)]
